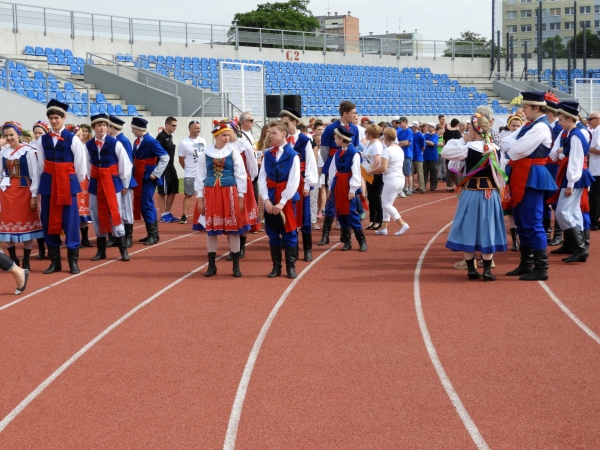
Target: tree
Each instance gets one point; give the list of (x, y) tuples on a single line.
[(290, 15), (469, 42), (559, 46), (592, 45)]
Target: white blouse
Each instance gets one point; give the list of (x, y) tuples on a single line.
[(292, 183), (242, 146), (32, 165), (79, 155), (239, 171)]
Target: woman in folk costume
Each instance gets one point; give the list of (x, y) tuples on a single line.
[(479, 222), (39, 129), (221, 183), (19, 182), (83, 198), (573, 179), (344, 185), (250, 211)]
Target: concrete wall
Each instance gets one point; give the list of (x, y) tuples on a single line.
[(25, 111)]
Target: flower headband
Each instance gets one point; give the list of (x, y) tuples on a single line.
[(42, 125), (475, 123), (15, 126)]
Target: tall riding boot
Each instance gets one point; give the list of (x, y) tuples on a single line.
[(26, 255), (212, 266), (580, 251), (472, 271), (152, 234), (291, 255), (567, 246), (526, 264), (487, 271), (156, 232), (557, 239), (148, 227), (41, 248), (307, 246), (346, 238), (243, 246), (276, 258), (236, 265), (12, 252), (101, 253), (362, 240), (85, 241), (515, 240), (327, 222), (540, 270), (586, 237), (73, 256), (546, 222), (122, 241), (54, 256), (128, 235), (111, 241)]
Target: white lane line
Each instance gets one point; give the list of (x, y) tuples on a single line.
[(37, 391), (437, 364), (568, 312), (45, 288), (425, 204), (238, 403)]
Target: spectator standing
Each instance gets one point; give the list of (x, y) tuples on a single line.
[(188, 151), (361, 132), (405, 141), (442, 122), (462, 127), (430, 157), (170, 181), (449, 134), (594, 167), (246, 123), (417, 163), (372, 154)]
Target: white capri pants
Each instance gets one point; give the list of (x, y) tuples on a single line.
[(314, 197), (127, 207), (117, 230), (391, 190), (568, 210)]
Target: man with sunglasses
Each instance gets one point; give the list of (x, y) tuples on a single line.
[(594, 167), (246, 123)]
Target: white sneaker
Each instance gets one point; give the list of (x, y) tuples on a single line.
[(402, 195), (402, 230), (384, 232)]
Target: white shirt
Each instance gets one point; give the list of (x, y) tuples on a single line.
[(519, 149), (189, 149), (373, 149), (292, 183), (79, 155), (594, 161), (311, 171), (239, 171), (456, 151), (576, 158), (395, 157), (242, 146), (32, 165), (125, 166), (247, 136), (361, 133), (355, 180)]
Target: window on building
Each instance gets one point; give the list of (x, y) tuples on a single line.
[(585, 24), (569, 11), (526, 41), (585, 10), (568, 25), (511, 29), (555, 26), (511, 14), (525, 14), (525, 1), (543, 27), (511, 2), (555, 11), (596, 23), (525, 28), (597, 9)]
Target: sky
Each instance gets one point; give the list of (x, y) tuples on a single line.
[(434, 19)]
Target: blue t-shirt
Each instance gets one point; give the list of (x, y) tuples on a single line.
[(406, 135), (431, 151), (418, 144)]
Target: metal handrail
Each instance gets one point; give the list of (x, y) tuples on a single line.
[(47, 74)]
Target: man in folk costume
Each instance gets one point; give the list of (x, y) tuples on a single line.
[(115, 129), (278, 183), (552, 166), (574, 179), (149, 162), (62, 161), (529, 181), (110, 172), (344, 185), (309, 176)]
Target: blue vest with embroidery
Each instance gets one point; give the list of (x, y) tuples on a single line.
[(61, 153), (220, 169), (107, 157), (586, 179), (279, 171), (344, 164), (24, 177)]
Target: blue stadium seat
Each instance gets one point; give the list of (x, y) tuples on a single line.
[(75, 70), (49, 51), (61, 61), (41, 96), (39, 51), (132, 111), (77, 110), (29, 50), (52, 59), (119, 110), (94, 109), (58, 52), (60, 96), (102, 108), (100, 99), (70, 96), (69, 86), (32, 95), (110, 109), (68, 53)]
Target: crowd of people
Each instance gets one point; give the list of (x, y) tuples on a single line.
[(297, 173)]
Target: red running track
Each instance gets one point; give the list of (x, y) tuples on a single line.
[(343, 364)]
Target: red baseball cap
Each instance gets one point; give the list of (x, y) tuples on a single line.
[(365, 119)]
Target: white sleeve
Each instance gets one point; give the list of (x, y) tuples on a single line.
[(575, 166), (80, 160), (455, 150), (262, 183), (181, 149), (355, 180), (200, 175), (163, 161), (293, 181), (540, 134), (125, 166), (34, 174), (250, 160), (311, 171), (239, 171), (39, 154), (595, 139), (332, 172), (555, 147)]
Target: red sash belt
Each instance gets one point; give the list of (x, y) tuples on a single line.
[(332, 152), (61, 192), (341, 192), (288, 209), (549, 161), (108, 206), (518, 179), (300, 204), (140, 169), (584, 203)]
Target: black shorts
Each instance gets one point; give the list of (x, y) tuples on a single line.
[(170, 182)]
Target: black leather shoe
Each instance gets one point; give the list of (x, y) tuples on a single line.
[(101, 253), (73, 257), (472, 272), (212, 266), (54, 256), (540, 270), (236, 265), (362, 240), (276, 258), (526, 264), (122, 241)]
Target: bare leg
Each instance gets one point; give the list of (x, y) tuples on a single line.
[(186, 204), (161, 203), (169, 202)]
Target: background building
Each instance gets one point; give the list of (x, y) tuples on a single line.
[(341, 25)]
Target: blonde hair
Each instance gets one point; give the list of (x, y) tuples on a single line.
[(389, 134), (373, 131), (280, 125), (484, 124), (265, 140)]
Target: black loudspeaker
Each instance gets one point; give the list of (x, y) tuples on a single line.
[(293, 101), (274, 107)]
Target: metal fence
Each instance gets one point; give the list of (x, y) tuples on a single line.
[(19, 17), (245, 84), (587, 92)]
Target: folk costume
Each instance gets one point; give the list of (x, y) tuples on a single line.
[(278, 182), (19, 181), (127, 198), (328, 150), (345, 178), (83, 200), (309, 177), (62, 159), (221, 180), (149, 158), (552, 166), (40, 241), (529, 181), (572, 173), (504, 161), (109, 172), (479, 221)]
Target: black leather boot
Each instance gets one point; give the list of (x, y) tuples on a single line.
[(212, 266), (472, 271), (101, 253), (111, 241), (236, 265), (12, 252), (526, 264), (148, 227), (567, 246), (243, 246), (122, 241), (85, 241), (307, 246), (557, 239), (156, 232), (546, 223), (276, 258), (128, 235), (41, 248), (291, 255), (152, 234), (580, 251), (55, 264), (346, 238), (540, 270), (26, 255), (362, 240), (487, 271), (327, 222), (72, 257), (515, 240), (586, 237)]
